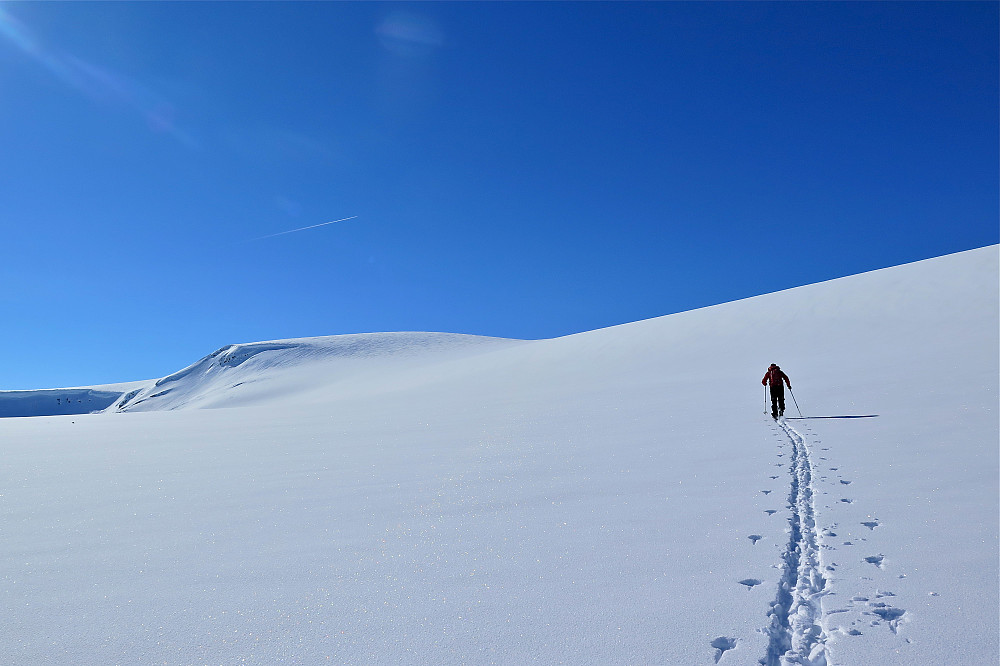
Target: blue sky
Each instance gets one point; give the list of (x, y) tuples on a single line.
[(515, 169)]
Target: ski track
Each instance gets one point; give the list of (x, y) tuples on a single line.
[(796, 634)]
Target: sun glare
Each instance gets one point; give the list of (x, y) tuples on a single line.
[(98, 83)]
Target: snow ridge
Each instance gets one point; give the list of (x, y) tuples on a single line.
[(796, 634), (226, 374), (52, 402)]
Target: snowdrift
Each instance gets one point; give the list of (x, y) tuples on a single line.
[(613, 497), (277, 370), (53, 402)]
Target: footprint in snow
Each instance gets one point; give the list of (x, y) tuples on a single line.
[(766, 492), (722, 643), (889, 614), (750, 582), (875, 559), (871, 524), (846, 483), (770, 512), (755, 538), (846, 500)]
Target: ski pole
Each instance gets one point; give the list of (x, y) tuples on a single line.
[(795, 401), (765, 399)]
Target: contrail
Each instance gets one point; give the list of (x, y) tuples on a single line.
[(292, 231)]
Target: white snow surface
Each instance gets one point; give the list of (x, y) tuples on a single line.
[(611, 497)]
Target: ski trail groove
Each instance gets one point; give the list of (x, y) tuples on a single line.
[(796, 633)]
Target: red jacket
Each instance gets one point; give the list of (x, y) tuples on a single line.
[(774, 375)]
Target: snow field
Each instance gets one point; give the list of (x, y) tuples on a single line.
[(612, 497)]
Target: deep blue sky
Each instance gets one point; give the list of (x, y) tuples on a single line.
[(517, 169)]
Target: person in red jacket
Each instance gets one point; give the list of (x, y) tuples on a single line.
[(774, 376)]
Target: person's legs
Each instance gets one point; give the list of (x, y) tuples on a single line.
[(777, 401)]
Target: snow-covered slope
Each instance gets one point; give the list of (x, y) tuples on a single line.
[(279, 370), (273, 371), (52, 402), (612, 497)]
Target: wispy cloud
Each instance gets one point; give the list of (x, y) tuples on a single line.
[(409, 35)]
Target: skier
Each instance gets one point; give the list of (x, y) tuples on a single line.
[(774, 376)]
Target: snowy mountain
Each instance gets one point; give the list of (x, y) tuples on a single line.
[(278, 370), (611, 497)]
